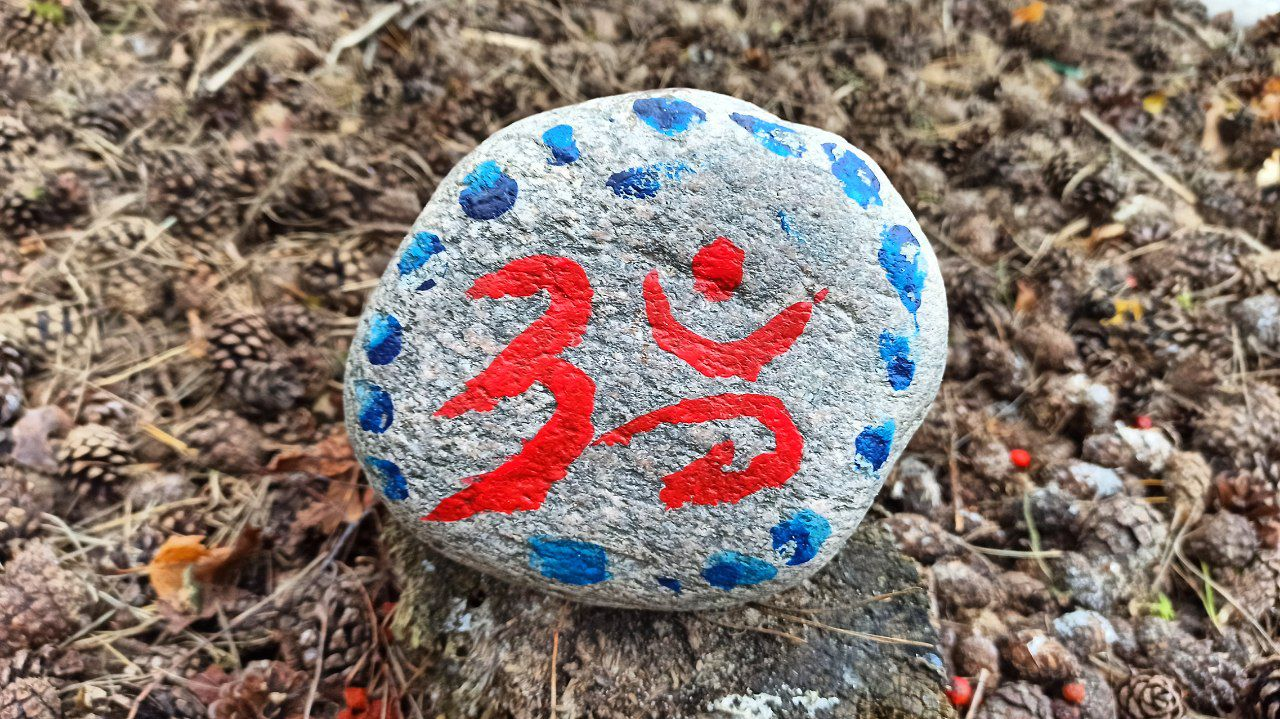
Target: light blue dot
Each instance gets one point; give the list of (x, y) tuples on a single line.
[(375, 410), (564, 150), (781, 141), (800, 537), (421, 248), (668, 115), (568, 560), (489, 192), (874, 443), (860, 183), (727, 570)]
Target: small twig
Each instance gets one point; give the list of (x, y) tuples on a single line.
[(1139, 157), (977, 694), (380, 17), (880, 638), (555, 656)]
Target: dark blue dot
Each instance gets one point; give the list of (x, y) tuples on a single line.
[(801, 536), (668, 115), (641, 183), (727, 570), (781, 141), (429, 284), (422, 247), (874, 443), (568, 560), (374, 407), (390, 479), (860, 183), (902, 260), (559, 140), (489, 192), (895, 351), (383, 338), (671, 583)]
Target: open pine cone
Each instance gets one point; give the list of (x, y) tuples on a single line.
[(263, 690), (1150, 696), (93, 457), (40, 602)]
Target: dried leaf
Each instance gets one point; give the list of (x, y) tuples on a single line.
[(1269, 173), (330, 457), (1029, 14), (1127, 310), (187, 575), (359, 706), (1155, 103), (344, 502)]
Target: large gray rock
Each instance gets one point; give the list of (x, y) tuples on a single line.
[(805, 654), (653, 350)]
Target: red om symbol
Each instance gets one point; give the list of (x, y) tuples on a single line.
[(523, 481)]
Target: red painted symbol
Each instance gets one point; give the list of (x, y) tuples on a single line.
[(708, 479), (522, 482), (717, 270)]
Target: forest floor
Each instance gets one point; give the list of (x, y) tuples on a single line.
[(197, 196)]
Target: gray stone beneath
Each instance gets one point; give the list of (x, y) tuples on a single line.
[(488, 646)]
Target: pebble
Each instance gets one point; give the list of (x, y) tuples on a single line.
[(657, 350)]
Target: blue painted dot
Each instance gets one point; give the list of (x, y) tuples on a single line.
[(641, 183), (671, 583), (781, 141), (390, 479), (428, 285), (374, 406), (422, 248), (568, 560), (789, 228), (668, 115), (800, 537), (873, 443), (860, 184), (559, 140), (727, 570), (489, 192), (383, 339), (901, 258), (895, 350)]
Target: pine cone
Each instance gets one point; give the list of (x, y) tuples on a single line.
[(40, 602), (1265, 32), (13, 371), (178, 176), (1150, 696), (1257, 588), (960, 586), (293, 322), (115, 116), (227, 442), (1092, 194), (23, 75), (1016, 700), (263, 690), (17, 144), (1187, 481), (328, 275), (1211, 677), (1040, 658), (30, 698), (93, 457), (21, 504), (337, 623), (266, 388), (974, 653), (46, 662), (1222, 539), (30, 26), (1240, 430), (239, 339), (1261, 699), (1125, 528), (921, 539), (49, 332)]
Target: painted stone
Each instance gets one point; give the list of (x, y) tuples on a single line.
[(656, 350)]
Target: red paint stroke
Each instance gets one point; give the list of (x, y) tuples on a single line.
[(736, 358), (522, 482), (708, 479), (717, 269)]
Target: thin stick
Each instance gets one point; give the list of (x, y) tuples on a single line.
[(1139, 157), (977, 694), (555, 657), (881, 638)]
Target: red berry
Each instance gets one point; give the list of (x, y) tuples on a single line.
[(1142, 422), (1020, 458), (1073, 692), (960, 693)]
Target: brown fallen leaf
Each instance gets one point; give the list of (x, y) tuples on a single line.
[(192, 578), (1029, 14), (330, 457), (342, 503)]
